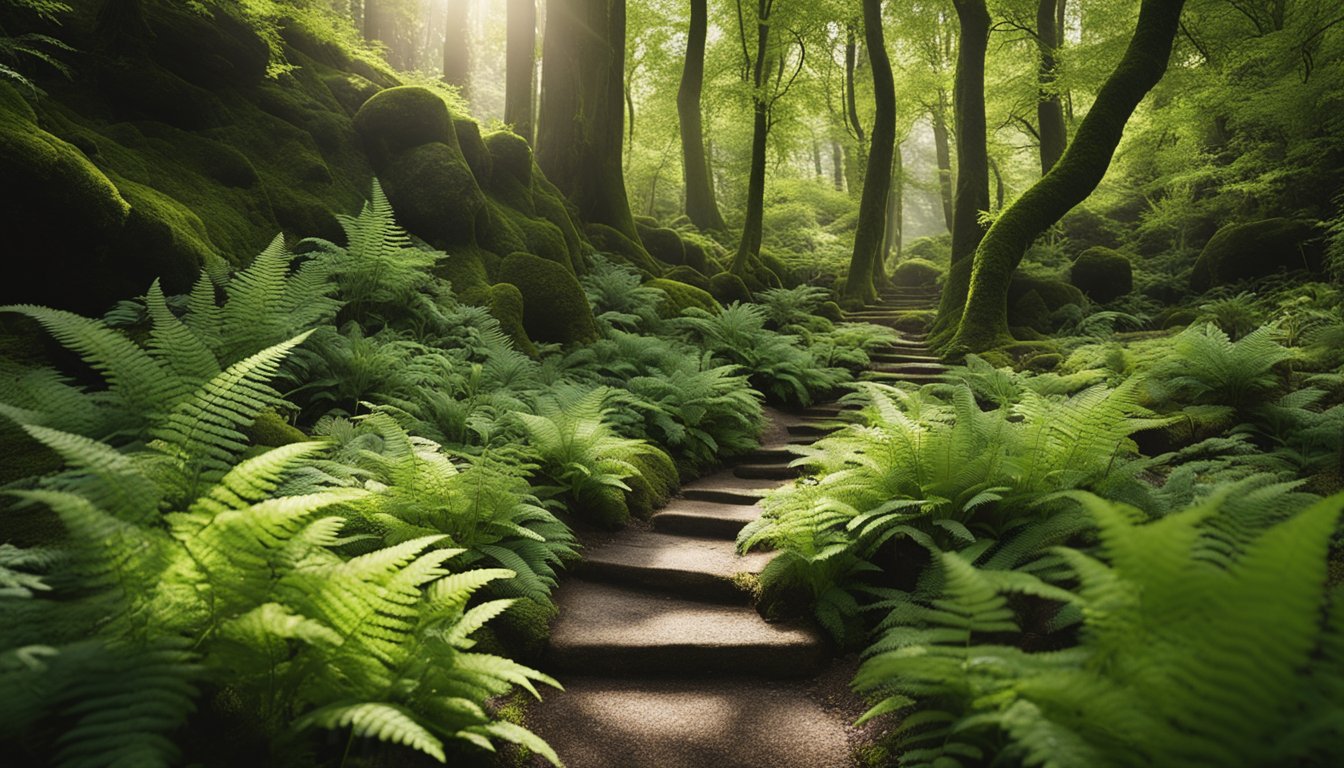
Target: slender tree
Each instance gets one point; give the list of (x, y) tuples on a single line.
[(984, 323), (866, 260), (1049, 107), (520, 59), (372, 21), (891, 243), (580, 124), (456, 46), (971, 195), (701, 207), (837, 165), (942, 149)]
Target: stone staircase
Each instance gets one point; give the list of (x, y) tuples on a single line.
[(665, 662)]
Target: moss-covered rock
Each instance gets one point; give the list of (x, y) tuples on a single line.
[(1103, 274), (681, 296), (403, 118), (272, 431), (662, 244), (684, 274), (213, 49), (468, 270), (1042, 361), (555, 308), (831, 311), (609, 241), (170, 241), (550, 205), (653, 486), (473, 149), (937, 249), (1256, 249), (916, 272), (783, 276), (506, 306), (697, 258), (727, 288), (1029, 310), (545, 240), (511, 156), (605, 507), (1053, 293), (501, 231), (435, 195)]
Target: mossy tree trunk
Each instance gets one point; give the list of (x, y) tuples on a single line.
[(971, 195), (580, 124), (866, 262), (456, 47), (520, 64), (1049, 107), (984, 323), (749, 247), (891, 244), (701, 207)]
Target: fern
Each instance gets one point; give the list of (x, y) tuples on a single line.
[(1206, 367)]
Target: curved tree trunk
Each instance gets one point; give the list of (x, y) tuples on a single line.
[(749, 247), (701, 207), (866, 262), (520, 56), (972, 189), (1049, 107), (985, 320), (456, 47), (579, 129)]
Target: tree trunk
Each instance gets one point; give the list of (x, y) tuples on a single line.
[(456, 46), (837, 165), (371, 19), (895, 208), (984, 323), (520, 55), (1049, 107), (749, 246), (816, 158), (701, 207), (579, 130), (866, 261), (943, 151), (972, 189)]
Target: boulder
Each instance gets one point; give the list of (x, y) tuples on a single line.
[(914, 272), (555, 308), (1257, 249), (402, 118), (435, 195), (1103, 274)]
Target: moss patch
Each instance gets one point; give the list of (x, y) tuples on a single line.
[(506, 306), (473, 149), (402, 118), (555, 308), (1103, 274), (435, 195), (1256, 249), (684, 274), (681, 296), (916, 272), (609, 241), (727, 288)]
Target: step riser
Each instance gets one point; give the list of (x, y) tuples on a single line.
[(697, 525), (722, 497), (686, 584), (758, 472), (767, 456), (808, 430), (687, 661)]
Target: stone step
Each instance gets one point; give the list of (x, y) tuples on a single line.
[(913, 378), (768, 455), (598, 722), (912, 367), (766, 471), (690, 567), (704, 518), (727, 488), (819, 429), (606, 630), (900, 357)]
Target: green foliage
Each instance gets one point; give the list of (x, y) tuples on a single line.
[(775, 362), (1206, 367), (1208, 638)]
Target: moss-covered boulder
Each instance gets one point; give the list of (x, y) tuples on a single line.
[(511, 155), (545, 240), (609, 241), (468, 269), (473, 149), (937, 249), (831, 311), (1053, 293), (1103, 274), (680, 296), (916, 272), (783, 275), (1029, 311), (653, 485), (271, 430), (662, 244), (402, 118), (1256, 249), (697, 258), (506, 306), (555, 308), (435, 195), (727, 288), (684, 274)]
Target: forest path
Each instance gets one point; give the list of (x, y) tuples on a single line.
[(665, 662)]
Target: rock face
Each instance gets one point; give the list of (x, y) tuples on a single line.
[(1103, 274), (1256, 249)]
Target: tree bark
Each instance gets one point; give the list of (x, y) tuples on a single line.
[(895, 207), (816, 158), (1049, 107), (456, 46), (971, 195), (866, 261), (943, 150), (749, 246), (520, 59), (579, 130), (372, 16), (984, 323), (837, 165), (701, 207)]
